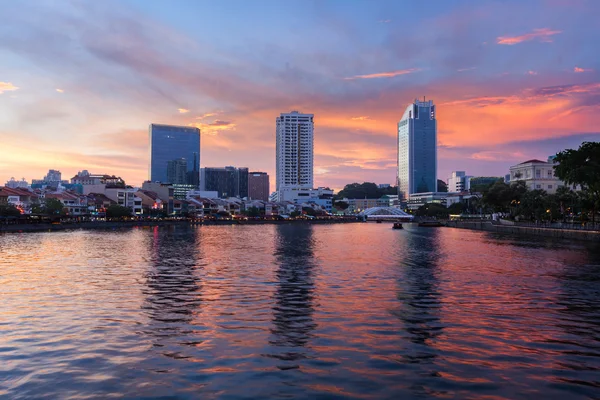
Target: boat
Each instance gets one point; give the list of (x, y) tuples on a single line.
[(379, 221), (397, 225), (430, 224)]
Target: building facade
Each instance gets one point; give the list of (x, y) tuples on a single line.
[(458, 182), (537, 175), (417, 149), (227, 182), (258, 186), (294, 150), (172, 144)]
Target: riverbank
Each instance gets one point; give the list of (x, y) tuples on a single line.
[(488, 226), (20, 228)]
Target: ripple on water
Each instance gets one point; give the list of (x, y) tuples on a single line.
[(339, 311)]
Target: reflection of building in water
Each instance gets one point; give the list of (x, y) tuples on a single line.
[(293, 309), (419, 297), (173, 287)]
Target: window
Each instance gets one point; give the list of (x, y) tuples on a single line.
[(549, 173), (538, 186), (549, 186), (538, 173)]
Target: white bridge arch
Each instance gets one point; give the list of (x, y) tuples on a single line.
[(389, 213)]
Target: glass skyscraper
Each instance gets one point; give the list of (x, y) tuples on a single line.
[(417, 149), (168, 146)]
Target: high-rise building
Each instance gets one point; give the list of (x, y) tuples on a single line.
[(294, 157), (177, 171), (458, 182), (258, 186), (227, 182), (170, 144), (417, 149)]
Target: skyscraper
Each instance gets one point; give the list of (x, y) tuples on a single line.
[(417, 149), (177, 171), (169, 144), (295, 132), (258, 186), (227, 182)]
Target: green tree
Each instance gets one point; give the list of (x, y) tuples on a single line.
[(364, 190), (309, 211), (432, 210), (117, 211), (9, 210), (533, 205), (253, 212), (582, 167), (53, 207), (456, 208), (341, 205)]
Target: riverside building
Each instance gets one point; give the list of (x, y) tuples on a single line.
[(294, 151), (417, 149), (169, 145)]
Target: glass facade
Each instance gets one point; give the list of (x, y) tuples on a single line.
[(168, 145), (227, 182), (417, 149)]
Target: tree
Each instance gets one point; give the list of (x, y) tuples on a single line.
[(432, 210), (341, 205), (9, 210), (364, 190), (581, 167), (309, 211), (117, 211), (456, 208), (53, 207), (253, 212)]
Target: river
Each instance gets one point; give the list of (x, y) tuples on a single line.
[(297, 311)]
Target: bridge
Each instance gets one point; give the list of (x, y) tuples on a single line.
[(385, 214)]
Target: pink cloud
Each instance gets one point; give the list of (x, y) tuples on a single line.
[(578, 70), (542, 34), (390, 74)]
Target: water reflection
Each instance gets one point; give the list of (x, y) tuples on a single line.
[(294, 297), (172, 285), (420, 303)]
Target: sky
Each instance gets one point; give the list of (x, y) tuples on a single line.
[(80, 81)]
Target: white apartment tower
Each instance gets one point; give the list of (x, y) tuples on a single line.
[(295, 134)]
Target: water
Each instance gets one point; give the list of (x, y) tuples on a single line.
[(336, 311)]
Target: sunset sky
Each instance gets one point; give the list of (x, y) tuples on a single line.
[(80, 81)]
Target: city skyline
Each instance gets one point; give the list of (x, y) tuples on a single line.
[(78, 95)]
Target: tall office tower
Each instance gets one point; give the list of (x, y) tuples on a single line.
[(227, 182), (169, 143), (417, 149), (258, 186), (295, 134), (177, 171)]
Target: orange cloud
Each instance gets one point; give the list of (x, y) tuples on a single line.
[(7, 87), (542, 34), (577, 69), (390, 74), (183, 110), (60, 90), (361, 118)]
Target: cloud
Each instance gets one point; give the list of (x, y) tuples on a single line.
[(578, 70), (183, 110), (60, 90), (361, 118), (206, 115), (384, 21), (7, 87), (532, 72), (498, 156), (390, 74), (214, 127), (542, 34), (465, 69)]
